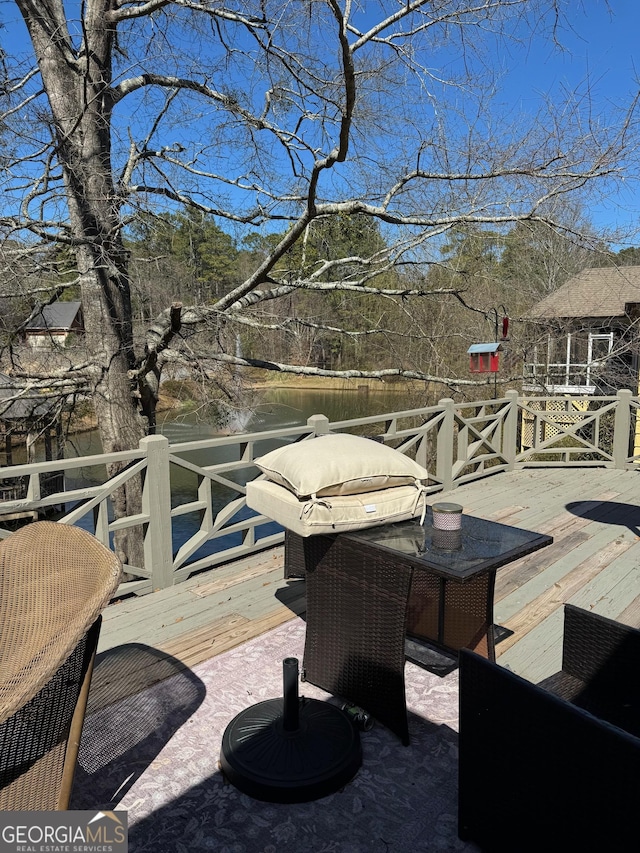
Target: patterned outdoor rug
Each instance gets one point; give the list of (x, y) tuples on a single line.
[(154, 752)]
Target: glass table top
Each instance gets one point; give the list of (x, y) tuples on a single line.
[(481, 545)]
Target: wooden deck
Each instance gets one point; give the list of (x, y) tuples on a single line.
[(592, 513)]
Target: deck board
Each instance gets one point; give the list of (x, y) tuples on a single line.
[(631, 614), (539, 652), (593, 562), (560, 591), (523, 582)]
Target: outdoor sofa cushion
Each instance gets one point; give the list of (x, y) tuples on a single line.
[(339, 464), (334, 513)]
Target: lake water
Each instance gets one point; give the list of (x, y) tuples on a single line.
[(273, 408), (282, 407)]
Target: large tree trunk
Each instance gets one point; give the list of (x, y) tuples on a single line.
[(77, 84), (119, 422)]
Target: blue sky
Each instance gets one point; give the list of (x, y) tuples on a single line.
[(601, 51)]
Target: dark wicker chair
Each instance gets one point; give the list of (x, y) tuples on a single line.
[(554, 766), (54, 582)]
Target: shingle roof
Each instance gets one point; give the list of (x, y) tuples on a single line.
[(21, 408), (58, 315), (597, 292)]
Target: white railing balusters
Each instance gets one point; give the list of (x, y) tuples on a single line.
[(455, 442)]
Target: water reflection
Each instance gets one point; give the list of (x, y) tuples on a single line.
[(292, 406)]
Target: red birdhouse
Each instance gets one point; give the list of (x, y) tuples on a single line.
[(484, 358)]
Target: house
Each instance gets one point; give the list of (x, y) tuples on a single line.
[(587, 335), (586, 343), (52, 324)]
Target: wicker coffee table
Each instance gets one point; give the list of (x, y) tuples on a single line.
[(380, 595)]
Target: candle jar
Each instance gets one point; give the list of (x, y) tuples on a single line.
[(447, 516)]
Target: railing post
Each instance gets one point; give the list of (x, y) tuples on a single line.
[(156, 504), (510, 433), (444, 449), (622, 429), (319, 424)]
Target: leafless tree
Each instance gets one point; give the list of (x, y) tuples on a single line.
[(272, 115)]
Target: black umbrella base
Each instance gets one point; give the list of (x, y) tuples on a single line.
[(279, 756)]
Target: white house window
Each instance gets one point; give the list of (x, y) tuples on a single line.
[(572, 361), (600, 347)]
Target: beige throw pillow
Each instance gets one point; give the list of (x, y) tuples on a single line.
[(339, 464)]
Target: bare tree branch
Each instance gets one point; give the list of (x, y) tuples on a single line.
[(283, 118)]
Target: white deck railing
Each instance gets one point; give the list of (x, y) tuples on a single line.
[(455, 442)]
